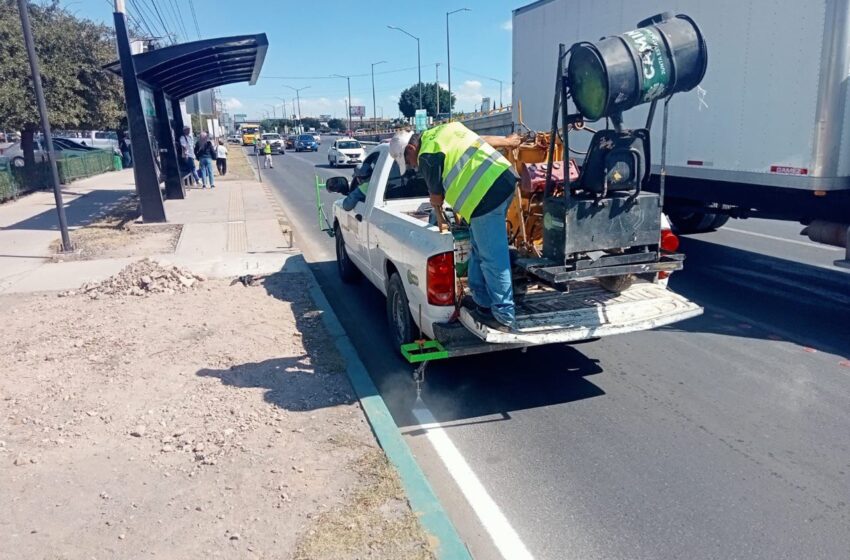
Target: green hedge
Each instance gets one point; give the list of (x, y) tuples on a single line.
[(15, 181)]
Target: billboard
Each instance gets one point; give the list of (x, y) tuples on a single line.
[(240, 117), (325, 117), (357, 111)]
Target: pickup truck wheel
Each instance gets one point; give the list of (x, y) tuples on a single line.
[(617, 284), (348, 271), (398, 312)]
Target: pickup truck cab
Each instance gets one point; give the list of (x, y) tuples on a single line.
[(388, 240)]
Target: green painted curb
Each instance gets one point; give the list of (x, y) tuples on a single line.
[(427, 508)]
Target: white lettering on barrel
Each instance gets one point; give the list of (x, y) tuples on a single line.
[(645, 51)]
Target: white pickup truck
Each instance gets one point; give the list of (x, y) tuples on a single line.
[(388, 240)]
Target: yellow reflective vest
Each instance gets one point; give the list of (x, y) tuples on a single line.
[(471, 166)]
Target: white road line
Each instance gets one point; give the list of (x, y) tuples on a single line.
[(775, 238), (494, 521)]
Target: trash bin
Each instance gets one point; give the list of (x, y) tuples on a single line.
[(116, 162)]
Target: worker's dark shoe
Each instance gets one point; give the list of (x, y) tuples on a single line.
[(486, 318), (469, 303)]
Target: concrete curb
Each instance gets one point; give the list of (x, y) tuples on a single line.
[(446, 542), (444, 539)]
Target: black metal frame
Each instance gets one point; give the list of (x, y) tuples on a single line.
[(638, 260)]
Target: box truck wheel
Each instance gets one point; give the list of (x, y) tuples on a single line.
[(348, 271), (617, 284), (398, 312), (698, 222)]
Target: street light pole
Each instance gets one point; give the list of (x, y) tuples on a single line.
[(348, 102), (45, 122), (449, 55), (418, 60), (374, 106), (298, 97), (437, 84)]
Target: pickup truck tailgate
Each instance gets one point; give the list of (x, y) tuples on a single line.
[(587, 311)]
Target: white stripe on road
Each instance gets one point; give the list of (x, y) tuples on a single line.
[(494, 521), (775, 238)]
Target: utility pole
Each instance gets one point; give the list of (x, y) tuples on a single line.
[(298, 97), (374, 106), (348, 102), (437, 83), (449, 55), (418, 60), (45, 122)]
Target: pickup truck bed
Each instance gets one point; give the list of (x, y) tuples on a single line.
[(389, 241)]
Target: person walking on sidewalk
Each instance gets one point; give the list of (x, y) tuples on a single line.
[(221, 158), (466, 170), (186, 151), (267, 160), (206, 154)]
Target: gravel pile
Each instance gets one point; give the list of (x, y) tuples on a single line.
[(142, 278)]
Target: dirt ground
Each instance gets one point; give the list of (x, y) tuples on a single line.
[(116, 235), (213, 422)]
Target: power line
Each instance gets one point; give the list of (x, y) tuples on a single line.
[(178, 17), (162, 21), (195, 18), (140, 17)]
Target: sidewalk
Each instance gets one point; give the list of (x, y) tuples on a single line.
[(227, 231)]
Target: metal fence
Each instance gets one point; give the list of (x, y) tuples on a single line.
[(15, 181)]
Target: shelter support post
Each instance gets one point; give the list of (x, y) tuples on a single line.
[(167, 150), (144, 168)]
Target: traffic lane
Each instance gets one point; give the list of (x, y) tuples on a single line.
[(775, 238), (534, 437), (360, 309)]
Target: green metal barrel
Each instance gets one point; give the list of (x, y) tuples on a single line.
[(666, 54)]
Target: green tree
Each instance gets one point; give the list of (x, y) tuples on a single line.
[(408, 100), (338, 124), (310, 122), (71, 52)]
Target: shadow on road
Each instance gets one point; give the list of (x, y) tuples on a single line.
[(807, 301)]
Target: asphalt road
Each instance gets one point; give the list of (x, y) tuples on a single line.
[(725, 436)]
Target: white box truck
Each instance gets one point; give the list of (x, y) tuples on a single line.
[(767, 132)]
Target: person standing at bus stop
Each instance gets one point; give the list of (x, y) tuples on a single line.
[(206, 153)]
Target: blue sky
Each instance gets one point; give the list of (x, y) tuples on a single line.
[(316, 38)]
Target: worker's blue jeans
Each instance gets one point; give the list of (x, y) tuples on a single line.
[(207, 171), (490, 264)]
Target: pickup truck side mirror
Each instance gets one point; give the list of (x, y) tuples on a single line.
[(337, 185)]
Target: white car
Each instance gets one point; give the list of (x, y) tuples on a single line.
[(276, 141), (346, 151)]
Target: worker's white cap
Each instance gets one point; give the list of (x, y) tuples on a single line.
[(397, 145)]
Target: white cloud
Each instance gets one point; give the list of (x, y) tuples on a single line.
[(507, 25), (232, 103)]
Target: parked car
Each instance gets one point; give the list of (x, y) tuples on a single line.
[(346, 151), (306, 142), (276, 142), (234, 139), (62, 146)]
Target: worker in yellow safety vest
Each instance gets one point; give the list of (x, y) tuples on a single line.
[(466, 171), (267, 151)]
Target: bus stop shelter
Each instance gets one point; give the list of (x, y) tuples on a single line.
[(154, 84)]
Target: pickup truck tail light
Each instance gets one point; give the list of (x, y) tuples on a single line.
[(441, 279), (669, 241)]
